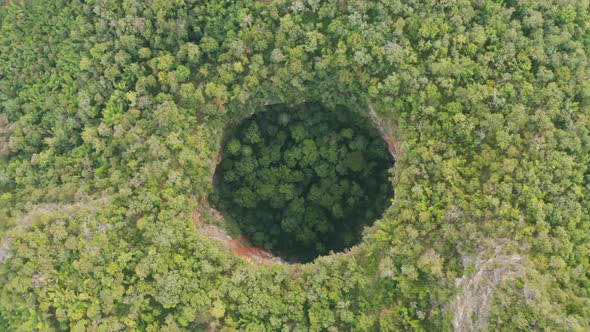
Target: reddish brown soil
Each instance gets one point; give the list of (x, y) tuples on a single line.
[(390, 145), (243, 248), (240, 246), (386, 130)]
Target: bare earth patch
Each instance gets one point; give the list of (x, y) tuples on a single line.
[(240, 246), (471, 307)]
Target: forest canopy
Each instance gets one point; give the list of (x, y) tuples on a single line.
[(303, 181), (112, 118)]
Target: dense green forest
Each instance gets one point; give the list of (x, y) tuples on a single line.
[(113, 115), (303, 181)]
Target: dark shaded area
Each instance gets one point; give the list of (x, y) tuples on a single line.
[(303, 182)]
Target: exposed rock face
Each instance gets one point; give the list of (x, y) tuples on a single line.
[(493, 266)]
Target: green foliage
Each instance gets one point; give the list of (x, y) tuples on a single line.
[(307, 192), (111, 115)]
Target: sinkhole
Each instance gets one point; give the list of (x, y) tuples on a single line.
[(303, 181)]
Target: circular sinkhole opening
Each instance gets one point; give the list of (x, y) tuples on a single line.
[(302, 182)]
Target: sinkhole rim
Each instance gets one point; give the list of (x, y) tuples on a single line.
[(367, 128)]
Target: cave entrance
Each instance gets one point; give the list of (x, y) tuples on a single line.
[(303, 181)]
